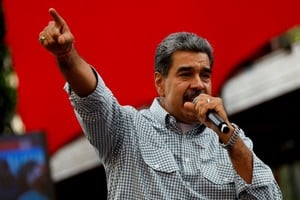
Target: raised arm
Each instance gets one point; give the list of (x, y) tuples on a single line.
[(57, 38)]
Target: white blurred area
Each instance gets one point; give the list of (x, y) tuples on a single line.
[(271, 76)]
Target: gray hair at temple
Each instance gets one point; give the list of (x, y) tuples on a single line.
[(180, 41)]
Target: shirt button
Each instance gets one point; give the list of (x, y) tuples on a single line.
[(186, 159), (225, 179)]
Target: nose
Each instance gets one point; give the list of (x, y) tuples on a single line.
[(197, 83)]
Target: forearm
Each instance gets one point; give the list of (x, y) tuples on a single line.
[(242, 160), (263, 184), (77, 72), (241, 156)]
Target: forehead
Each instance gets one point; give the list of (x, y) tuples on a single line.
[(189, 58)]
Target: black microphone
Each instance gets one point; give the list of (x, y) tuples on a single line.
[(216, 119)]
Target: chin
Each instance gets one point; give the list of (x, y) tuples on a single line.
[(191, 120)]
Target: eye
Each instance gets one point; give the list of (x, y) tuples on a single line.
[(205, 76), (185, 74)]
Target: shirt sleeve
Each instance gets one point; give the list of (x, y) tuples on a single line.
[(100, 117), (264, 185)]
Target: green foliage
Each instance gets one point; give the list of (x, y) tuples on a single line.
[(294, 34), (8, 93)]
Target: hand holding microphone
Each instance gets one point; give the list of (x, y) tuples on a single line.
[(215, 118)]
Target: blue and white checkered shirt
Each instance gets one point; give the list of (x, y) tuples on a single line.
[(147, 156)]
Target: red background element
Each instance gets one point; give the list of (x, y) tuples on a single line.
[(119, 39)]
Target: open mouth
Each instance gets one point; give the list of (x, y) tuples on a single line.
[(189, 96)]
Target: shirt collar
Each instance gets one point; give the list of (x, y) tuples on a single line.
[(164, 117), (158, 111)]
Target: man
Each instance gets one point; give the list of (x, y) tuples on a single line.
[(171, 150)]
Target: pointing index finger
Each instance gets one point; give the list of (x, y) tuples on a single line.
[(56, 17)]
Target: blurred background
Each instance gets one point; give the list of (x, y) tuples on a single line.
[(256, 72)]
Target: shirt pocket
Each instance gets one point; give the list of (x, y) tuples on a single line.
[(219, 174), (158, 158)]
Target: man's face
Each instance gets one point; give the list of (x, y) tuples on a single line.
[(189, 74)]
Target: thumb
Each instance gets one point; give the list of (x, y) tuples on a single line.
[(66, 38), (189, 106)]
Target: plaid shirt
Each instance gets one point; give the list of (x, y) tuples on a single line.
[(147, 156)]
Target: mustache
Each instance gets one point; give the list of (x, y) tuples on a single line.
[(190, 95)]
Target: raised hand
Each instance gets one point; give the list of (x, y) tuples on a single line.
[(56, 37)]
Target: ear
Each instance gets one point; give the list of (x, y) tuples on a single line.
[(159, 84)]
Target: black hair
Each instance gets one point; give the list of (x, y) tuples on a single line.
[(180, 41)]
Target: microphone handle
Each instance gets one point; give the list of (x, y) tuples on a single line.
[(216, 119), (218, 122)]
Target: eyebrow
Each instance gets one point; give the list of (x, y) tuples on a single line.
[(190, 68), (184, 69)]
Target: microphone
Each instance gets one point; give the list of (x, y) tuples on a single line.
[(216, 119)]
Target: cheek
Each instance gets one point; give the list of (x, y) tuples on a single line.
[(176, 90), (182, 87), (209, 89)]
